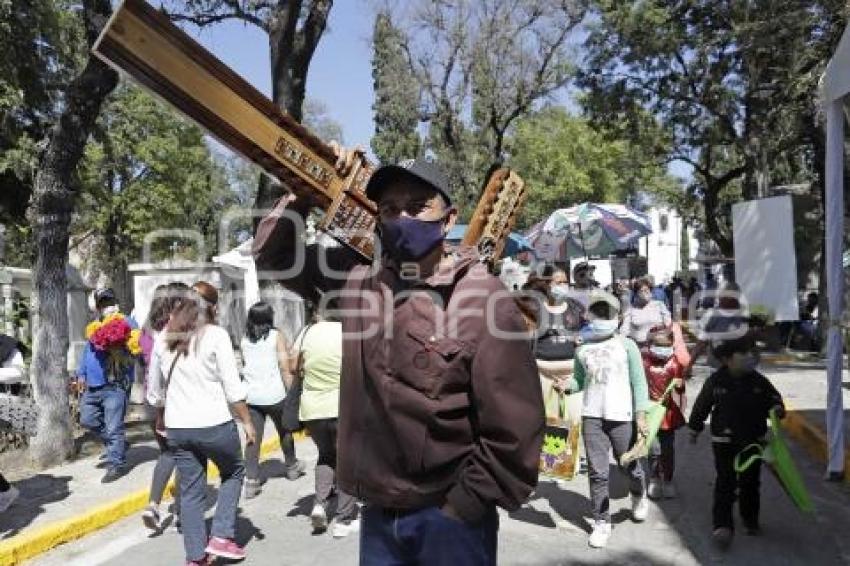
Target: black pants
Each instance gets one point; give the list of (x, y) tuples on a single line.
[(324, 434), (662, 455), (729, 483), (287, 442)]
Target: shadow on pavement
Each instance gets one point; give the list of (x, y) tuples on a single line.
[(272, 468), (246, 531), (302, 507), (633, 558), (140, 454), (139, 450), (571, 506), (36, 492), (789, 537)]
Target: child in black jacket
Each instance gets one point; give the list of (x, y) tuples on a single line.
[(739, 400)]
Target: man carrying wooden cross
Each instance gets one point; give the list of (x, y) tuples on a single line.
[(441, 415)]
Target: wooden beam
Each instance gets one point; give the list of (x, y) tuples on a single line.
[(143, 43)]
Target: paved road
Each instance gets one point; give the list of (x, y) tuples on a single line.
[(550, 530)]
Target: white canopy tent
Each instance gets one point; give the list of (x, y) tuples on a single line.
[(835, 87), (241, 258)]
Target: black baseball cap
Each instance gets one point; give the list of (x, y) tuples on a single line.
[(106, 295), (423, 170), (583, 266)]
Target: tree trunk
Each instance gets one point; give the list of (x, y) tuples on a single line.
[(50, 211), (712, 211), (291, 49)]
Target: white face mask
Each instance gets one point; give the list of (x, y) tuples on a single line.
[(112, 309)]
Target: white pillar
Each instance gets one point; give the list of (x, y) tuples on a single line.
[(835, 281)]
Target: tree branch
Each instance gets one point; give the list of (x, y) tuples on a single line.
[(235, 11), (311, 31)]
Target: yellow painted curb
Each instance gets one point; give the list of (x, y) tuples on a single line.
[(812, 438), (32, 543)]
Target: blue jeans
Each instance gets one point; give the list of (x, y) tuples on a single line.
[(102, 410), (192, 448), (426, 537)]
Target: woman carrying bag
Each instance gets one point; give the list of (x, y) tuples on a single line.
[(558, 321), (317, 365), (194, 381)]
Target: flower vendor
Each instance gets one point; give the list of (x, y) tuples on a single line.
[(105, 374)]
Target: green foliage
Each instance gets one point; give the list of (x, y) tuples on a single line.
[(481, 65), (147, 169), (554, 445), (396, 105), (41, 49), (565, 161), (732, 84)]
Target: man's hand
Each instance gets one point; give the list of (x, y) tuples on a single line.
[(640, 420), (450, 512), (250, 433), (77, 385), (346, 158), (561, 385), (678, 383)]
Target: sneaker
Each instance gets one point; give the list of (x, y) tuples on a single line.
[(113, 474), (640, 508), (752, 530), (151, 518), (655, 489), (600, 535), (226, 548), (722, 537), (8, 497), (205, 561), (319, 519), (296, 470), (669, 490), (252, 488), (342, 530)]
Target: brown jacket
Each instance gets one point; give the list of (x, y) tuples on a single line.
[(434, 406)]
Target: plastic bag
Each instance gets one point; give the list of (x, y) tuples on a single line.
[(779, 461), (559, 457)]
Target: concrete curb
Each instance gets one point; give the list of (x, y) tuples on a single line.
[(812, 438), (32, 543)]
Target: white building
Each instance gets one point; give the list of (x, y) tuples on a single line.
[(663, 248)]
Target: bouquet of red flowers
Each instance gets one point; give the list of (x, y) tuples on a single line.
[(117, 338)]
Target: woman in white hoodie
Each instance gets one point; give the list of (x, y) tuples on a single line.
[(195, 383)]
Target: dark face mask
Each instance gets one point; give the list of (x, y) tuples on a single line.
[(410, 239)]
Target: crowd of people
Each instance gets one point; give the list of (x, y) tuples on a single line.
[(427, 410), (626, 351)]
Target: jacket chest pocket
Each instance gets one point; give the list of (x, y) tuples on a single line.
[(432, 363)]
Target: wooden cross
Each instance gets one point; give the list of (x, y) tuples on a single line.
[(143, 43)]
